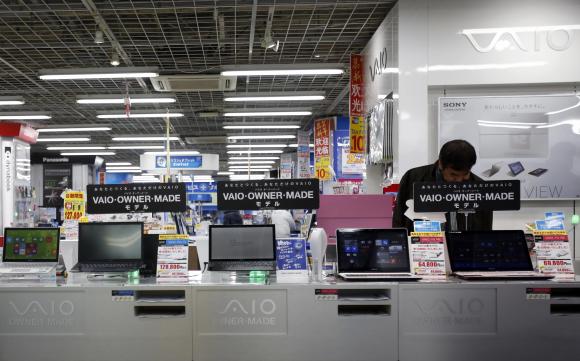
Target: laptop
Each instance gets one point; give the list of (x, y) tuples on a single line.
[(242, 248), (516, 168), (493, 255), (110, 247), (368, 254), (150, 246), (495, 168), (29, 251)]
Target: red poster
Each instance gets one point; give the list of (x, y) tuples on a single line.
[(356, 85)]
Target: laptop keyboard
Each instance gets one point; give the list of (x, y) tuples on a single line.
[(108, 267), (28, 265), (242, 266), (377, 275)]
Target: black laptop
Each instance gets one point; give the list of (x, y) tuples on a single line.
[(242, 248), (493, 255), (371, 254), (110, 247)]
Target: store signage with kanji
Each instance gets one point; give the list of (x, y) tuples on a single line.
[(466, 196), (268, 194), (137, 198)]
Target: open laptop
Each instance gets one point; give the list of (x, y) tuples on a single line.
[(495, 168), (110, 247), (373, 254), (29, 251), (242, 248), (480, 255)]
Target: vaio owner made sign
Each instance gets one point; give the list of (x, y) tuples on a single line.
[(138, 198)]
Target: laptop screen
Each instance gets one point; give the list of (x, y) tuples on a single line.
[(488, 251), (372, 250), (31, 245), (105, 242), (237, 243)]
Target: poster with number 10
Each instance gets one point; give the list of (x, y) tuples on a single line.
[(322, 151)]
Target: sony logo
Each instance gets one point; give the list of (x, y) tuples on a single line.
[(461, 306), (528, 38), (266, 307), (51, 308), (454, 104)]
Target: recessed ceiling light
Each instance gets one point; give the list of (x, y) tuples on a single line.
[(256, 146), (255, 158), (143, 139), (87, 153), (120, 99), (24, 116), (269, 151), (271, 136), (11, 100), (75, 139), (136, 147), (140, 115), (76, 148), (98, 73), (77, 129)]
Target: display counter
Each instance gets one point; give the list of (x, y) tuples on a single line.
[(221, 317)]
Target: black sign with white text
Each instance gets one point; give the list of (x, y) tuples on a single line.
[(136, 198), (268, 194), (466, 196)]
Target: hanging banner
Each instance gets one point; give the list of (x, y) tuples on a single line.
[(472, 196), (286, 166), (356, 104), (74, 205), (179, 161), (268, 194), (303, 155), (138, 198), (322, 151), (56, 178), (358, 142)]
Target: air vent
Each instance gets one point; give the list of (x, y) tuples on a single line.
[(187, 83), (206, 140)]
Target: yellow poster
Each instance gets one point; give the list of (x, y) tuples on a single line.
[(322, 148), (357, 135), (74, 205)]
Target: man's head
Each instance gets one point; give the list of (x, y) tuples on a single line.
[(456, 158)]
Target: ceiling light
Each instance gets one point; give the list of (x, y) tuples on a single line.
[(311, 145), (77, 139), (251, 162), (122, 167), (99, 37), (24, 116), (98, 73), (272, 112), (80, 129), (253, 166), (283, 69), (199, 178), (225, 173), (123, 171), (115, 59), (238, 177), (237, 169), (87, 153), (256, 146), (143, 139), (249, 170), (262, 126), (176, 152), (120, 99), (137, 147), (275, 96), (117, 163), (76, 148), (274, 151), (140, 115), (11, 100), (254, 158), (271, 136)]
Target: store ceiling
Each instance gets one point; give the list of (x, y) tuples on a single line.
[(179, 37)]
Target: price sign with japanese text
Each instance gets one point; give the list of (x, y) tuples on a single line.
[(357, 135), (74, 205), (553, 253), (172, 257), (428, 254), (322, 148)]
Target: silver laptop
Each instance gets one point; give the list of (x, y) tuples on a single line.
[(493, 255), (29, 251), (370, 254), (495, 168)]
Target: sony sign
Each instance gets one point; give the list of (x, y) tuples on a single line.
[(526, 38)]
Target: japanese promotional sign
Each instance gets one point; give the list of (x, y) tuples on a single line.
[(303, 154), (268, 194), (553, 253), (74, 205), (286, 166), (172, 256), (472, 196), (138, 198), (358, 133), (322, 151), (428, 253), (356, 97), (291, 256)]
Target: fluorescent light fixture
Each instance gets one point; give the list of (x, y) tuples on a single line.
[(311, 145), (283, 70), (117, 163), (254, 158), (251, 162), (238, 177), (120, 99), (143, 138), (200, 178), (72, 139), (262, 126), (140, 114), (250, 166), (123, 167), (271, 136), (87, 153), (274, 151), (123, 171), (249, 170), (76, 129), (24, 116), (76, 148), (11, 100), (256, 146), (137, 147), (265, 112), (98, 73), (225, 173), (276, 96), (176, 152)]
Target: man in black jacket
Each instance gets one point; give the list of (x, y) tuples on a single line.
[(456, 158)]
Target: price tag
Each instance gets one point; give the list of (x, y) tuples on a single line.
[(172, 257), (553, 253), (428, 254)]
